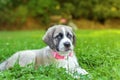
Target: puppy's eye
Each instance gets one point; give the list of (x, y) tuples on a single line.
[(59, 36), (69, 35)]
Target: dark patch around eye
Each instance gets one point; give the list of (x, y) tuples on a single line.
[(59, 36), (69, 35), (58, 39)]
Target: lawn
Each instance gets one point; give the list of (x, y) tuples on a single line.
[(98, 51)]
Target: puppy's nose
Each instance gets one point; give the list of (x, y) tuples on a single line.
[(67, 44)]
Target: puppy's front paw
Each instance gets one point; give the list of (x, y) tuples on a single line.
[(82, 71)]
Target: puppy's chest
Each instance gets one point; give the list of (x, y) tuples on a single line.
[(68, 63)]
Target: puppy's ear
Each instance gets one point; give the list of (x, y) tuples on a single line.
[(74, 39), (48, 37)]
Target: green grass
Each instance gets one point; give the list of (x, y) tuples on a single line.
[(98, 51)]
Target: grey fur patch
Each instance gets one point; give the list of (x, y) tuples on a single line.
[(48, 37)]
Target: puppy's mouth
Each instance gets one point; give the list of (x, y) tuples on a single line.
[(67, 49), (64, 49)]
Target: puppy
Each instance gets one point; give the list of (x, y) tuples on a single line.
[(61, 41)]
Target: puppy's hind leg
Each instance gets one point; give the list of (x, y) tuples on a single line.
[(9, 62)]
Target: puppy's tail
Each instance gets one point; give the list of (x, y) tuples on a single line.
[(9, 62)]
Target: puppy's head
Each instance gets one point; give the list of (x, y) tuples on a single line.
[(60, 38)]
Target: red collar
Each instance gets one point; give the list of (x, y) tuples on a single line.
[(58, 56)]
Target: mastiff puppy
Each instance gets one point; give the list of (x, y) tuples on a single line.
[(60, 40)]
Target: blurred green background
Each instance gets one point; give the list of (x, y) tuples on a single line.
[(40, 14)]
